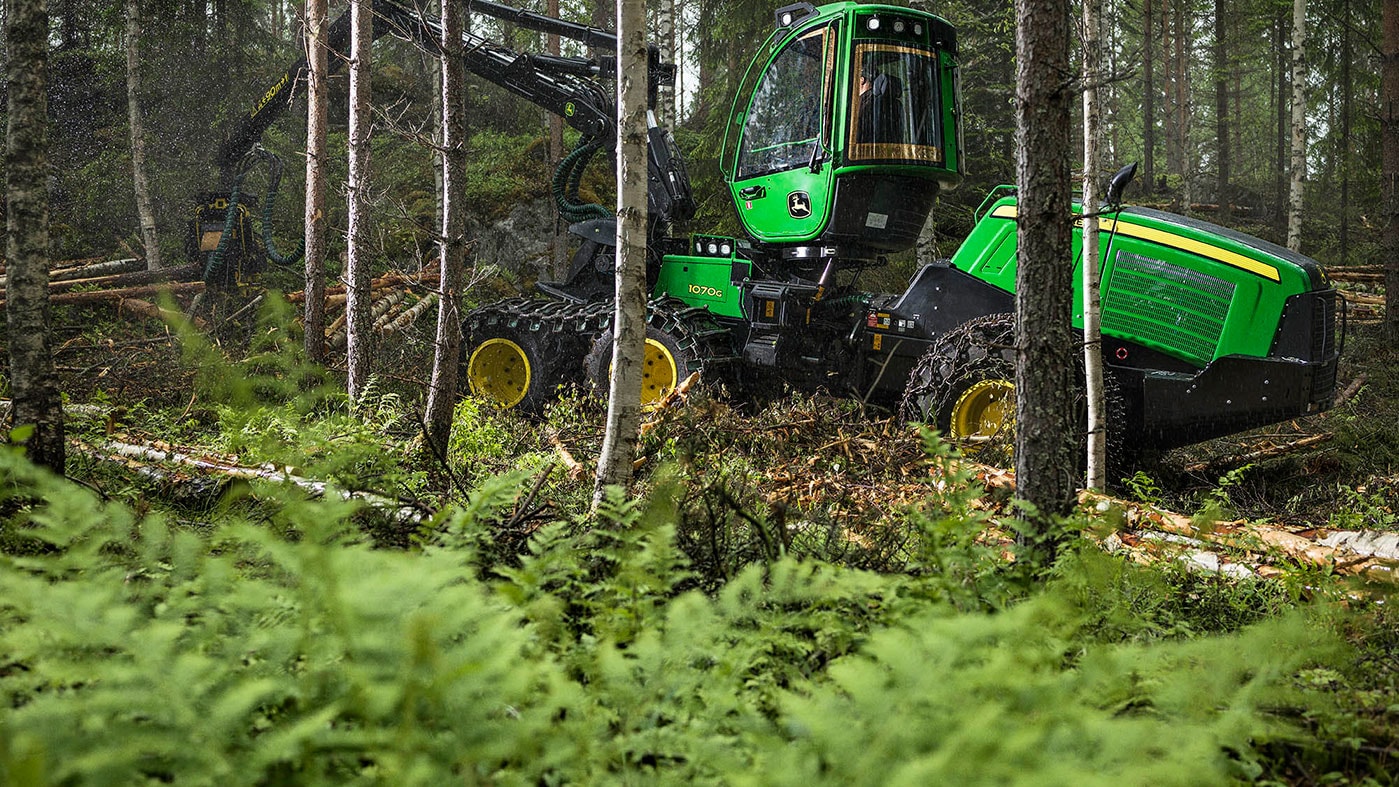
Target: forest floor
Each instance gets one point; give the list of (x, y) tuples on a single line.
[(1337, 469), (803, 475)]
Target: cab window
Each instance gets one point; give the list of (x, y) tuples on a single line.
[(898, 110), (784, 124)]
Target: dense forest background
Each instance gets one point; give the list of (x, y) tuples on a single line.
[(1199, 94)]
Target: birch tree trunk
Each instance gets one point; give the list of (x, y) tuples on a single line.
[(144, 212), (32, 385), (317, 121), (1299, 125), (665, 32), (1092, 305), (358, 330), (442, 392), (629, 322), (1389, 119), (1045, 448)]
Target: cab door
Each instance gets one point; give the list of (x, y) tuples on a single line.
[(781, 176)]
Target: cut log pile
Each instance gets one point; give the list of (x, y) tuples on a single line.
[(397, 301), (116, 281), (1356, 284)]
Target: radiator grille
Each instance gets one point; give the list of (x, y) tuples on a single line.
[(1167, 304)]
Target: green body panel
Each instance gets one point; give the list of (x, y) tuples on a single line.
[(1186, 288), (795, 203), (707, 281)]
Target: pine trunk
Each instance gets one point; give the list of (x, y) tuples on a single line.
[(442, 394), (1045, 448), (1281, 111), (1148, 100), (33, 389), (1299, 125), (358, 329), (317, 120), (1347, 89), (558, 248), (144, 211), (1389, 117), (629, 323), (1221, 108)]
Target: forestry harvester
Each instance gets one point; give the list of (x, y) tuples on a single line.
[(845, 128)]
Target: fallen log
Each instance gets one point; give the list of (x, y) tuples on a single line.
[(1356, 277), (106, 268), (409, 315), (1267, 452), (97, 296), (337, 292), (1253, 540), (184, 273), (1366, 298), (140, 308), (139, 458)]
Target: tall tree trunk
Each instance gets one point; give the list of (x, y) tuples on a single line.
[(1182, 106), (1283, 116), (1347, 90), (559, 246), (33, 389), (1221, 107), (442, 394), (145, 213), (1299, 125), (665, 33), (1148, 100), (629, 323), (1389, 119), (1092, 305), (358, 331), (317, 122), (1045, 448)]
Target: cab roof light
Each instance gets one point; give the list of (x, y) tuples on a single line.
[(789, 15)]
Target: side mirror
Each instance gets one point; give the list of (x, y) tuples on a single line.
[(1119, 183)]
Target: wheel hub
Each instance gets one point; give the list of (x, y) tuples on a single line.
[(986, 409), (499, 370), (659, 372)]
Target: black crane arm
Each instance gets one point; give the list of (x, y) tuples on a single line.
[(566, 86)]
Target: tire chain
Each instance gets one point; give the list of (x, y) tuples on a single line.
[(947, 362), (950, 358), (543, 316)]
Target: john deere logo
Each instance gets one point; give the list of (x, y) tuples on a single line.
[(799, 204), (568, 109)]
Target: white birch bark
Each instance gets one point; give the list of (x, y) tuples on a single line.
[(144, 211), (629, 322), (1092, 306), (317, 122)]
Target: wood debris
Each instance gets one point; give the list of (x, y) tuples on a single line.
[(152, 459)]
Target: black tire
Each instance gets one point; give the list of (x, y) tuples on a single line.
[(680, 340), (965, 387), (519, 352)]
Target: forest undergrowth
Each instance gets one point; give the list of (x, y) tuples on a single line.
[(805, 592)]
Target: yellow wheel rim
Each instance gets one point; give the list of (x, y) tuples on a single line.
[(659, 373), (499, 370), (986, 409)]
